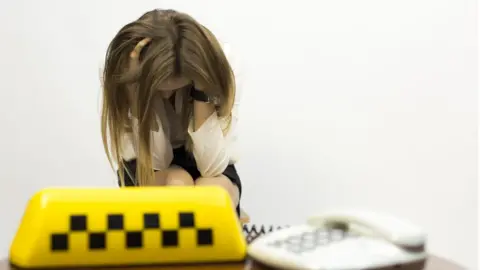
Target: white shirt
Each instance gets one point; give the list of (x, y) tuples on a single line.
[(212, 150)]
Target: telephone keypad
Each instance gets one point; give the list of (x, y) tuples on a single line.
[(310, 240)]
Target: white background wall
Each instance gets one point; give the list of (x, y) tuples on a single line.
[(345, 103)]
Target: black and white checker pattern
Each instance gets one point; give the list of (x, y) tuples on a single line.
[(97, 240)]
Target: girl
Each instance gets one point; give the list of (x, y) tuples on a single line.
[(168, 113)]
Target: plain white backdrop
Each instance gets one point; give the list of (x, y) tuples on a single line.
[(344, 103)]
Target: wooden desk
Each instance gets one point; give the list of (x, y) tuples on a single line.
[(433, 263)]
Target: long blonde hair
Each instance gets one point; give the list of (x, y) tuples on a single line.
[(179, 46)]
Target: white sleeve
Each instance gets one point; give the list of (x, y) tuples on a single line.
[(210, 147), (160, 147), (213, 150)]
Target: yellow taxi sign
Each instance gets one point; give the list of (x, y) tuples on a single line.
[(128, 226)]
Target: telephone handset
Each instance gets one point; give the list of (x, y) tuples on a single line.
[(394, 230)]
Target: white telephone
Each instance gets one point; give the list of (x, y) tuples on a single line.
[(343, 240)]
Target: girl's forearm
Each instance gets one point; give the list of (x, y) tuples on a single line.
[(201, 112)]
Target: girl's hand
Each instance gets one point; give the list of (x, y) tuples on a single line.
[(138, 48), (134, 63), (136, 51)]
